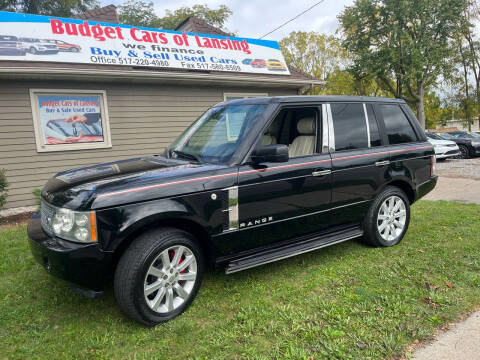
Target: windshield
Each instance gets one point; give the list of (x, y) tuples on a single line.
[(462, 135), (216, 135), (446, 136), (433, 136)]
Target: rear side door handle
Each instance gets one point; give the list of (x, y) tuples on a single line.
[(321, 172), (382, 163)]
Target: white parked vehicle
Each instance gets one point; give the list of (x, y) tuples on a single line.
[(443, 148), (37, 46)]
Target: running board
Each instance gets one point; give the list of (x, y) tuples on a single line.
[(294, 249)]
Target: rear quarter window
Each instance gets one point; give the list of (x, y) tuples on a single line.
[(397, 126)]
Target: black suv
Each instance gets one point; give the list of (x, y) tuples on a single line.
[(250, 182)]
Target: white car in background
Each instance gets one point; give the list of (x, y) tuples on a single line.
[(37, 46), (443, 148)]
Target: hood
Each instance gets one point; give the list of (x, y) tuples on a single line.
[(440, 142), (90, 187)]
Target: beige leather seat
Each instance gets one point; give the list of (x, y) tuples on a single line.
[(269, 138), (303, 144)]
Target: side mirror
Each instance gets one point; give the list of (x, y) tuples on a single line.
[(270, 153)]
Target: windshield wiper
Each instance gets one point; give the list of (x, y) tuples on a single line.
[(186, 155)]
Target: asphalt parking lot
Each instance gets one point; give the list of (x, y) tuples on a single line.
[(459, 180)]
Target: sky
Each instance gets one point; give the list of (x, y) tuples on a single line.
[(255, 18)]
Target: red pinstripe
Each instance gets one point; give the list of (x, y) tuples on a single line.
[(255, 171)]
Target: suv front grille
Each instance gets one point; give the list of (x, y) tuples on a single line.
[(46, 215)]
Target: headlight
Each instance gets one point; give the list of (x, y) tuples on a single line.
[(476, 143), (70, 225)]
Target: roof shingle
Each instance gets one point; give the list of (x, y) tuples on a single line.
[(104, 14)]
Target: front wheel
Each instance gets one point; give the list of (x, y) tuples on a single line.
[(388, 218), (464, 153), (159, 275)]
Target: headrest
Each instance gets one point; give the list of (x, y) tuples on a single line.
[(273, 128), (306, 126)]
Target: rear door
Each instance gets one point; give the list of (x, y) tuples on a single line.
[(409, 149), (360, 159)]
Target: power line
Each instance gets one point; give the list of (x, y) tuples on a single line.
[(295, 17)]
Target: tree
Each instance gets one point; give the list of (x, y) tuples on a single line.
[(140, 13), (469, 55), (324, 57), (314, 53), (212, 17), (64, 8), (404, 44)]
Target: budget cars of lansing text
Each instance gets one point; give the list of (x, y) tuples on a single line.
[(252, 181)]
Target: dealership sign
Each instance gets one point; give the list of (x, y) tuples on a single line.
[(26, 37)]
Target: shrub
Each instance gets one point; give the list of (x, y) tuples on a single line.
[(38, 195), (3, 187)]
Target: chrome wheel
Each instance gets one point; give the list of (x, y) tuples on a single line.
[(463, 152), (391, 218), (170, 279)]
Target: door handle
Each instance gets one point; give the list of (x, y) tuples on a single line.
[(382, 163), (321, 172)]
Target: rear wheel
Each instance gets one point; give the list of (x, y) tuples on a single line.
[(388, 218), (159, 275), (33, 50)]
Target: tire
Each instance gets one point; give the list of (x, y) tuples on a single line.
[(33, 51), (136, 276), (74, 50), (464, 153), (375, 228)]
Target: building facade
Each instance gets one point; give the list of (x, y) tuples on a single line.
[(142, 109)]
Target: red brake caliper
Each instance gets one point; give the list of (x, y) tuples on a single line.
[(171, 253)]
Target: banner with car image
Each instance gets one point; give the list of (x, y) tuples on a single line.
[(25, 37)]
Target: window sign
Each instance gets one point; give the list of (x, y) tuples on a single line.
[(67, 120)]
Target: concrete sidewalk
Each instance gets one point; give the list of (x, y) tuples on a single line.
[(461, 342), (456, 189)]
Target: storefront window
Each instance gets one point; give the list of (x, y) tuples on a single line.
[(70, 119)]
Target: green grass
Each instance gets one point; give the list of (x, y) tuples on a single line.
[(348, 301)]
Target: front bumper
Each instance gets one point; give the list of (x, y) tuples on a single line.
[(424, 188), (443, 152), (85, 265)]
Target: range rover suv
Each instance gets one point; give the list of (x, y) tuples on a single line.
[(250, 182)]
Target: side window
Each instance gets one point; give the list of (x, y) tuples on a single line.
[(296, 128), (373, 127), (398, 128), (349, 126)]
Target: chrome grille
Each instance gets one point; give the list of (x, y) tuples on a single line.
[(46, 215)]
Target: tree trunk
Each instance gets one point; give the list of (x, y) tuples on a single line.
[(421, 106)]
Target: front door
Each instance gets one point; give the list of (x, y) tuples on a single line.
[(280, 201)]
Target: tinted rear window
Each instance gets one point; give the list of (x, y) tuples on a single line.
[(349, 126), (8, 38), (398, 128)]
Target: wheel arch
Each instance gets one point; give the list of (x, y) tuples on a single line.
[(187, 225), (405, 186)]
